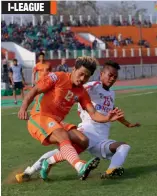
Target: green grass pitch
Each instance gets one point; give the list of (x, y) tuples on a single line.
[(19, 150)]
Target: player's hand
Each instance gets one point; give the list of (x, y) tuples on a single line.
[(134, 125), (23, 115), (115, 114)]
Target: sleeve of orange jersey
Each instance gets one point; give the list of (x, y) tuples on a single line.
[(47, 82), (85, 100), (35, 69)]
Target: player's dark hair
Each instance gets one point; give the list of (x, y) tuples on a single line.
[(88, 62), (111, 63), (41, 54), (15, 60)]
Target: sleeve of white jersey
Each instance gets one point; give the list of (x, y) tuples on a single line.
[(91, 89)]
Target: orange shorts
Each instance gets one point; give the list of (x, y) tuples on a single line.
[(40, 127)]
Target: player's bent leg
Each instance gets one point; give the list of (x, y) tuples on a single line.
[(48, 131), (67, 152), (79, 142), (120, 151), (58, 136), (78, 139), (29, 171), (40, 127), (113, 146)]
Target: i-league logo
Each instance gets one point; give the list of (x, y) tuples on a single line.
[(29, 7)]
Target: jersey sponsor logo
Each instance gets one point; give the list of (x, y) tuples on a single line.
[(98, 107), (51, 124), (102, 107), (53, 77)]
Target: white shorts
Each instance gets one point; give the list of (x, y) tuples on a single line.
[(98, 139), (102, 149)]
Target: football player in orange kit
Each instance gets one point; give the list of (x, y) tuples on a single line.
[(41, 69), (59, 91)]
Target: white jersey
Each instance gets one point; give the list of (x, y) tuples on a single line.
[(103, 102)]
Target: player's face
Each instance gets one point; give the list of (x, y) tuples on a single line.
[(14, 62), (41, 58), (63, 61), (80, 76), (109, 76)]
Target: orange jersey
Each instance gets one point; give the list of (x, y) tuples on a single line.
[(42, 69), (59, 95)]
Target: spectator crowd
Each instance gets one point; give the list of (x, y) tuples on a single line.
[(41, 37)]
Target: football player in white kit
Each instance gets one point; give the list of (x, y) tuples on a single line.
[(97, 133)]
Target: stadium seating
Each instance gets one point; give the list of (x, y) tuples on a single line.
[(58, 37)]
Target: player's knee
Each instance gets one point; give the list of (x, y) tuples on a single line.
[(85, 142), (64, 135), (124, 146), (59, 136), (117, 145), (79, 139)]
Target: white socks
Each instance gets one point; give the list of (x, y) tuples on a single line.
[(37, 165), (119, 157), (51, 160), (78, 166)]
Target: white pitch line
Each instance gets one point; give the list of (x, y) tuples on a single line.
[(12, 113), (136, 94)]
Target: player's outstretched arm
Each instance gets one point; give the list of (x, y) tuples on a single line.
[(44, 85), (98, 117), (127, 123), (22, 114)]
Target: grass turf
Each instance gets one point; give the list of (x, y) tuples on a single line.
[(20, 150)]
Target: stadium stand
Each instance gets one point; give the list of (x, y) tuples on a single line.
[(132, 39), (41, 37), (45, 37)]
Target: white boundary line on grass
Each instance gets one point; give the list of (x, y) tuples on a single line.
[(136, 94), (13, 113)]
